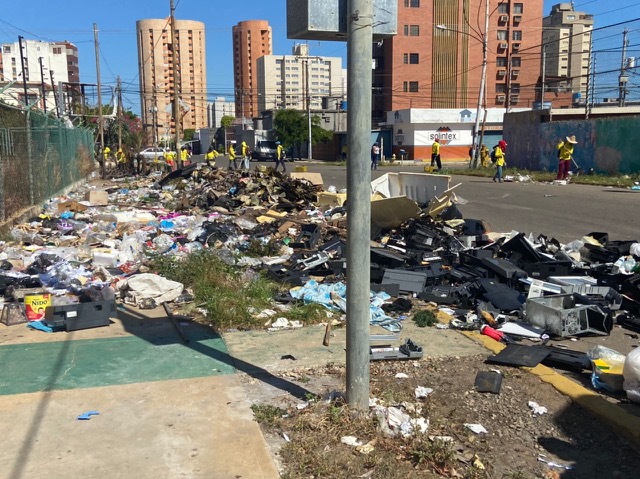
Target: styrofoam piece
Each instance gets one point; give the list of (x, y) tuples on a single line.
[(419, 187), (521, 329), (573, 280)]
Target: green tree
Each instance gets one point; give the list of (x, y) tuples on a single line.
[(291, 128), (188, 134), (319, 134), (226, 121)]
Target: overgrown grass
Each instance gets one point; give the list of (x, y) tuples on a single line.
[(267, 414), (230, 293)]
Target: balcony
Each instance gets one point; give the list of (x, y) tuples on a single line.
[(515, 73), (501, 72), (503, 19), (515, 98), (515, 46), (500, 98), (502, 45)]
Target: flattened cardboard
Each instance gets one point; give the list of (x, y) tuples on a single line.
[(313, 178), (392, 212), (71, 206)]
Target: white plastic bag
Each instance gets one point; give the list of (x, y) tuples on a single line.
[(631, 373)]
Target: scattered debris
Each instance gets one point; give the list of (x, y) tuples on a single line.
[(537, 409), (476, 428)]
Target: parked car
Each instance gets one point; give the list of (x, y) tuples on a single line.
[(265, 150), (151, 153)]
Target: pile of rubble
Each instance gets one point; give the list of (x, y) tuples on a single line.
[(92, 246)]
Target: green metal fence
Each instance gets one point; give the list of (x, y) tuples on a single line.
[(40, 156)]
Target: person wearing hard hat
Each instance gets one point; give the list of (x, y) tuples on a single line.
[(211, 155), (233, 164), (245, 155), (121, 160), (435, 154), (280, 156), (565, 154), (498, 154)]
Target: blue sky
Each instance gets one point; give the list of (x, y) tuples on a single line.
[(73, 20)]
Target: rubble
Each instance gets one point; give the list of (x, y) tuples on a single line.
[(95, 244)]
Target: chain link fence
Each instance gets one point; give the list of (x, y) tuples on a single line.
[(39, 157)]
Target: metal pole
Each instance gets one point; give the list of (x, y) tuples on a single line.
[(44, 90), (55, 95), (544, 73), (310, 149), (359, 52), (176, 97), (587, 106), (623, 78), (483, 80), (100, 125), (24, 73), (119, 113)]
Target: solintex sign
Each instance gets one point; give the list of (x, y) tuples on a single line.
[(444, 134)]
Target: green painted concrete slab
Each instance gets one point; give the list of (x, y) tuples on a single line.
[(103, 362)]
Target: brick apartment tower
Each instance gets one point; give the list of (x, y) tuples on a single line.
[(155, 64), (428, 67), (251, 40)]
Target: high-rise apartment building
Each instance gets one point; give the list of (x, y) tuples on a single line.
[(566, 38), (290, 81), (156, 48), (435, 60), (252, 39), (44, 64)]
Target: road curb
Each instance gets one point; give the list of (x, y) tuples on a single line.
[(620, 421), (623, 423)]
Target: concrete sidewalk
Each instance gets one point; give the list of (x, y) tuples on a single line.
[(158, 418)]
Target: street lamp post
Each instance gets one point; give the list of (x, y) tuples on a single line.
[(483, 81)]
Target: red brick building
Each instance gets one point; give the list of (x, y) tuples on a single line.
[(435, 61)]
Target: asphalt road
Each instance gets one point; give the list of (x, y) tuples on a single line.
[(564, 212)]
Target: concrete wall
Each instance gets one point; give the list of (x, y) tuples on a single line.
[(608, 145)]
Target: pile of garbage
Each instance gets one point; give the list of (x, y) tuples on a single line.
[(93, 245)]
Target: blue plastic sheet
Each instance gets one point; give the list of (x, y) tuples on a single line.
[(334, 297)]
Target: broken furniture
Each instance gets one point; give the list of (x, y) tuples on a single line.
[(408, 350)]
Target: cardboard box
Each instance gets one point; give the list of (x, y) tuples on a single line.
[(70, 206), (97, 198), (331, 200), (313, 178)]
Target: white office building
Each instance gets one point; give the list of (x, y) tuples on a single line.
[(287, 81), (218, 108)]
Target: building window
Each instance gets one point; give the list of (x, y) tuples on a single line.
[(518, 8), (405, 86), (516, 61), (414, 58), (414, 30), (503, 34), (413, 86), (517, 35), (501, 88), (406, 30), (405, 58), (501, 61), (515, 88), (412, 3), (503, 8), (571, 17)]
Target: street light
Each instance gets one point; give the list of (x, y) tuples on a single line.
[(483, 80)]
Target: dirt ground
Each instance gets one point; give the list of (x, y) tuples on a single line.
[(517, 445)]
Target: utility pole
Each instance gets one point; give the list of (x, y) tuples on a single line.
[(55, 95), (359, 52), (483, 81), (24, 73), (154, 116), (587, 105), (100, 125), (176, 76), (119, 112), (544, 72), (623, 78), (592, 81), (44, 90)]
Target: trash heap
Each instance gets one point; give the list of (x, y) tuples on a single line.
[(93, 246)]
